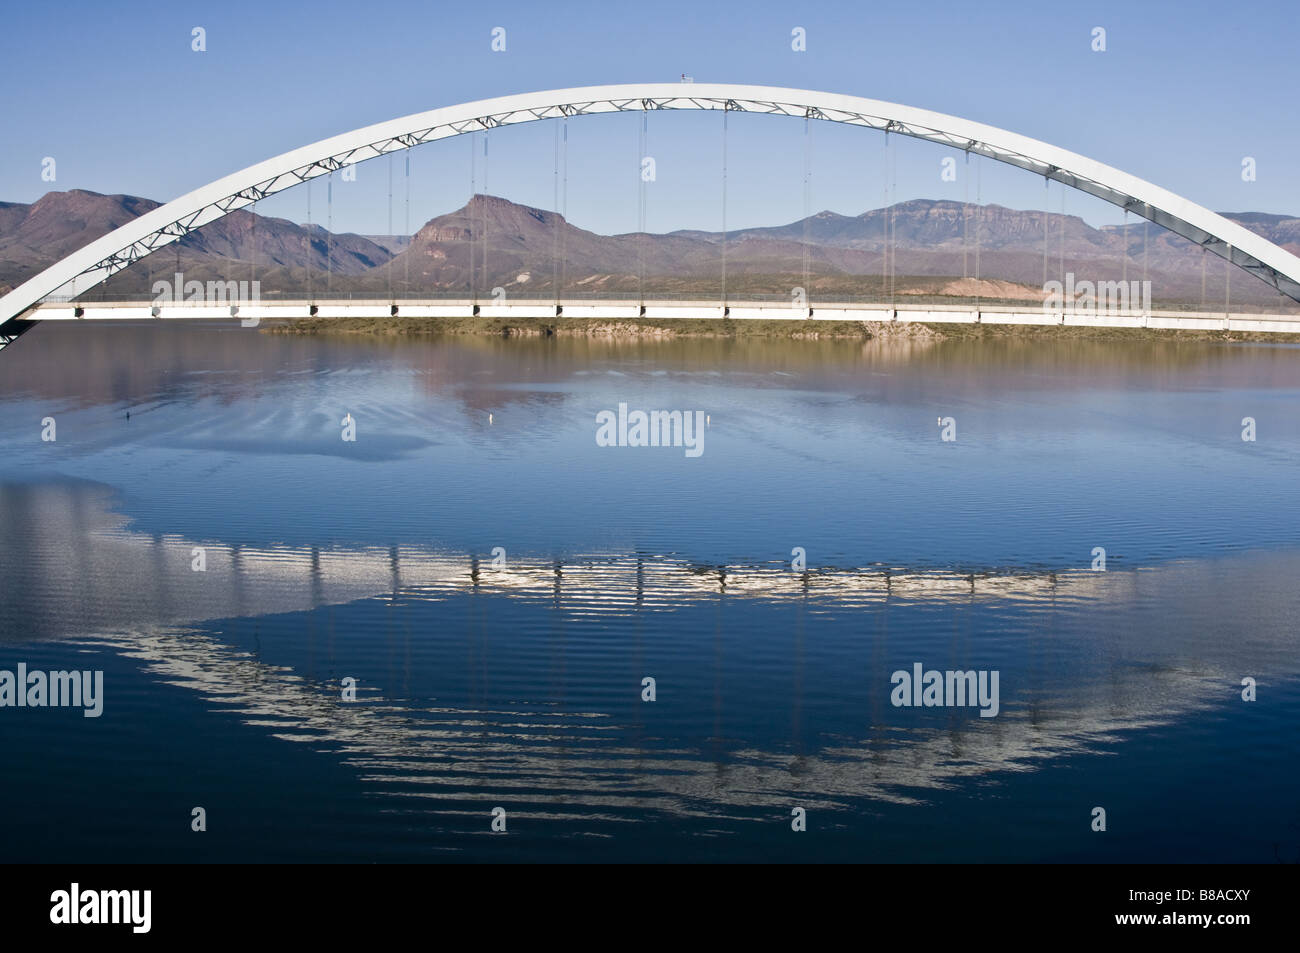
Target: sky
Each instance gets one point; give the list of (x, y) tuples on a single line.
[(115, 94)]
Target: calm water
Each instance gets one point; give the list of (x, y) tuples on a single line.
[(481, 686)]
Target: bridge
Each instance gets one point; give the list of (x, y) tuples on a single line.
[(53, 293), (251, 315)]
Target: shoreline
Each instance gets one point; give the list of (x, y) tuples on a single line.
[(725, 328)]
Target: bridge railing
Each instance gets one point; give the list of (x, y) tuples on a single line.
[(830, 300)]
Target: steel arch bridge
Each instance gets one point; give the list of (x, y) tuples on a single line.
[(96, 262)]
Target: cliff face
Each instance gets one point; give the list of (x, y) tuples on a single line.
[(500, 241)]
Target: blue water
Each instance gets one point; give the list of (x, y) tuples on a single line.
[(519, 685)]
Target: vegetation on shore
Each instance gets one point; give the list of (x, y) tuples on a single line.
[(729, 328), (579, 327)]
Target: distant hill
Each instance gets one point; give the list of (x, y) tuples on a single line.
[(393, 244), (33, 237), (492, 241), (502, 240)]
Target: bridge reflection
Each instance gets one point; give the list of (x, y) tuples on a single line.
[(253, 579), (137, 595)]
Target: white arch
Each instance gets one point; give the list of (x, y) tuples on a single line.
[(102, 258)]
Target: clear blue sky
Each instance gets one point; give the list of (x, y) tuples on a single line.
[(115, 94)]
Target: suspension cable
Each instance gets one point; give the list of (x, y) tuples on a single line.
[(884, 219), (487, 280), (965, 217), (1124, 272), (329, 235), (252, 238), (807, 209), (473, 191), (642, 146), (1047, 203), (406, 259), (893, 224), (1146, 230), (1227, 284), (725, 110), (310, 247), (555, 221), (1202, 279), (1063, 234), (979, 226), (564, 203), (390, 225)]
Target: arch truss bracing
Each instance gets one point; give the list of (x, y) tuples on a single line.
[(104, 257)]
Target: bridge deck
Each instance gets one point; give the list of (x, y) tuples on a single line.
[(660, 310)]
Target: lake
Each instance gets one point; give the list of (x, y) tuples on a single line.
[(351, 595)]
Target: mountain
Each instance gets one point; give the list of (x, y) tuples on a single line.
[(1282, 230), (931, 238), (927, 223), (33, 237), (504, 242), (936, 245)]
